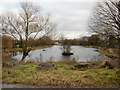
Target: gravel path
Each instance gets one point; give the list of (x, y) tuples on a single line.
[(5, 85)]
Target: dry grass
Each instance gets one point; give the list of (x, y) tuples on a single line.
[(110, 52), (61, 76)]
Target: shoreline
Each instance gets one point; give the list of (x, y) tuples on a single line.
[(20, 49)]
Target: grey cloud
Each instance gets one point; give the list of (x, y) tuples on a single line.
[(71, 17)]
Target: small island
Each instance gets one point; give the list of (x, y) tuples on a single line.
[(67, 54), (66, 48)]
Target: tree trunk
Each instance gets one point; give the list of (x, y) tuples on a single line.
[(119, 53), (24, 56), (25, 53)]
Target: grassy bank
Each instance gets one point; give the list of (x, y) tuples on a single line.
[(110, 52), (89, 46), (20, 49), (61, 76)]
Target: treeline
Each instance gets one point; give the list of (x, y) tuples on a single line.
[(94, 40), (9, 43)]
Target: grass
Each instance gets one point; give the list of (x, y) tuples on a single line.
[(20, 49), (61, 76), (90, 46), (110, 52)]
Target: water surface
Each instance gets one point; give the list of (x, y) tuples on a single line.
[(81, 54)]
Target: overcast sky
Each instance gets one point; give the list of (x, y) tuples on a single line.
[(71, 16)]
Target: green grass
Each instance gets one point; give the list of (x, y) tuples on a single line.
[(61, 77)]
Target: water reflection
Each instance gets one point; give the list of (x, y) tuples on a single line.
[(15, 53), (81, 54)]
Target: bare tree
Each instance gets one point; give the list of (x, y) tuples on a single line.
[(65, 46), (105, 20), (29, 22)]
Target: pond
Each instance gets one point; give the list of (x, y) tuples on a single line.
[(81, 54)]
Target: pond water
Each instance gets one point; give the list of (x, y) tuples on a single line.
[(81, 54)]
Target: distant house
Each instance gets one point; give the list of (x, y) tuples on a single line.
[(56, 43)]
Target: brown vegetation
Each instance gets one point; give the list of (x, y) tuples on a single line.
[(64, 75)]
